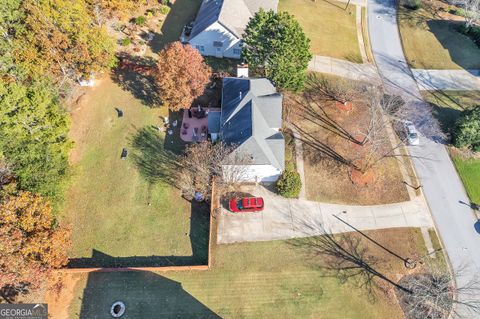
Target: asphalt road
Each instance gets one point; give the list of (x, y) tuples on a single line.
[(442, 187)]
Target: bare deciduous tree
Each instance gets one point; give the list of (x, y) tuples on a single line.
[(376, 144), (204, 161), (370, 136), (433, 294), (428, 293), (472, 10)]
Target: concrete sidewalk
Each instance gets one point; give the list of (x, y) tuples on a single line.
[(290, 218), (447, 79), (355, 71)]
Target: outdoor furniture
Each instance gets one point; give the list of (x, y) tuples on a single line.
[(189, 113), (204, 129), (175, 123), (200, 114), (170, 132), (184, 132), (185, 125)]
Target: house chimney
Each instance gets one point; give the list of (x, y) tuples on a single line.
[(242, 70)]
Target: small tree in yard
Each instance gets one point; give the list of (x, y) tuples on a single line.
[(182, 75), (289, 184), (368, 138), (433, 294), (467, 129), (32, 245), (427, 293), (276, 44), (204, 161)]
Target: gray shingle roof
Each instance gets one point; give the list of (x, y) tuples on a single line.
[(232, 14), (251, 115)]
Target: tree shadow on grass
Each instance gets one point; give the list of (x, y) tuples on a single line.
[(446, 117), (155, 163), (419, 17), (173, 143), (136, 75), (181, 13), (461, 49), (145, 295)]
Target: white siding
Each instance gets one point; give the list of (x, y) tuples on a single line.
[(256, 173), (203, 42)]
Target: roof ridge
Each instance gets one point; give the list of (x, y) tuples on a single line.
[(264, 123)]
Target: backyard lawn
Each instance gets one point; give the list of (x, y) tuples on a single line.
[(127, 208), (249, 280), (431, 42), (330, 27), (127, 212)]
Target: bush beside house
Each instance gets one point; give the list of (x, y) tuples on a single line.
[(289, 184)]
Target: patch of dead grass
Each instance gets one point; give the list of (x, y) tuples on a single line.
[(328, 180)]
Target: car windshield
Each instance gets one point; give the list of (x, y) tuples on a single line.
[(412, 135), (239, 204)]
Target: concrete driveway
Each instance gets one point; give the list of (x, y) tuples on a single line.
[(290, 218)]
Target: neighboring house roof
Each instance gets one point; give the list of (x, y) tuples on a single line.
[(232, 14), (251, 116)]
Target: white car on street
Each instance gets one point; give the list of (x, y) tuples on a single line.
[(412, 133)]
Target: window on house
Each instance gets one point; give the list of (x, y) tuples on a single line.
[(237, 51), (200, 48), (217, 44)]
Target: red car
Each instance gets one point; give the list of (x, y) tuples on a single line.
[(246, 204)]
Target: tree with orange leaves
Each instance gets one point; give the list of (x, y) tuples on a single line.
[(32, 244), (182, 75)]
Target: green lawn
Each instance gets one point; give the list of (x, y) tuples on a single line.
[(181, 13), (127, 208), (430, 42), (250, 280), (330, 27), (447, 105), (469, 171)]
